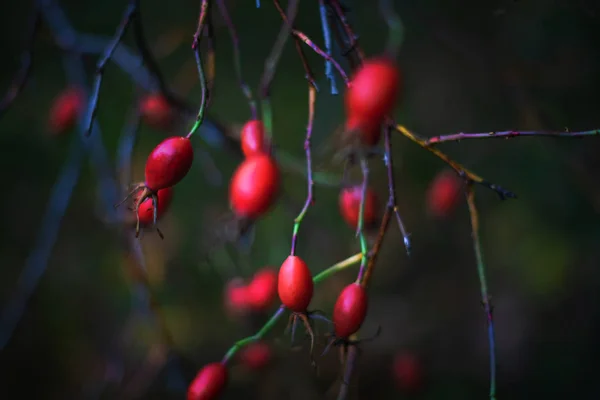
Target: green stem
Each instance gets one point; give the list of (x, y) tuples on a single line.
[(348, 262), (204, 91), (396, 28)]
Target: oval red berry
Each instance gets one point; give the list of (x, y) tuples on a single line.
[(350, 310), (349, 204), (67, 107), (156, 111), (294, 285), (256, 355), (208, 383), (444, 193), (254, 186), (262, 290), (252, 138), (373, 91), (169, 162)]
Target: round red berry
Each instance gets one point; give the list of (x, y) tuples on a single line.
[(350, 310), (262, 290), (295, 285), (236, 297), (349, 204), (252, 138), (156, 111), (146, 209), (169, 162), (67, 107), (256, 355), (444, 193), (373, 91), (407, 372), (208, 383), (254, 186)]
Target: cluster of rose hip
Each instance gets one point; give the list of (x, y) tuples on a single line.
[(254, 188)]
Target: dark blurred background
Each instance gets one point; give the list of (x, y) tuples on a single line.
[(469, 66)]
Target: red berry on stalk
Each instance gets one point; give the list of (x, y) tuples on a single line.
[(256, 355), (254, 186), (373, 91), (236, 297), (65, 110), (295, 285), (146, 209), (169, 162), (156, 111), (209, 383), (253, 138), (407, 372), (262, 290), (349, 203), (444, 193), (350, 310)]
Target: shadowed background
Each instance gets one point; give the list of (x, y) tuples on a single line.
[(468, 66)]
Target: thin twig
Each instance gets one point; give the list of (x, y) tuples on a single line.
[(211, 57), (312, 94), (303, 37), (361, 220), (502, 193), (392, 202), (456, 137), (237, 58), (352, 37), (327, 40), (271, 66), (485, 298), (150, 61), (21, 76), (121, 30), (204, 10)]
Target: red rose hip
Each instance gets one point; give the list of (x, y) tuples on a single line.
[(168, 163), (146, 208), (65, 110), (262, 290), (294, 284), (156, 111), (349, 204), (256, 355), (444, 193), (252, 138), (350, 310), (254, 186), (373, 91), (209, 383)]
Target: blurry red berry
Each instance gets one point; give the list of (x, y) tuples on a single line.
[(253, 138), (295, 285), (407, 372), (349, 204), (350, 310), (373, 91), (254, 186), (236, 297), (262, 290), (256, 355), (67, 107), (156, 111), (146, 209), (209, 383), (169, 162), (444, 193), (368, 129)]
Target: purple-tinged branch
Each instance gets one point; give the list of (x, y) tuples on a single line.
[(237, 58), (485, 298), (456, 137), (312, 94), (323, 54), (352, 38), (502, 193)]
